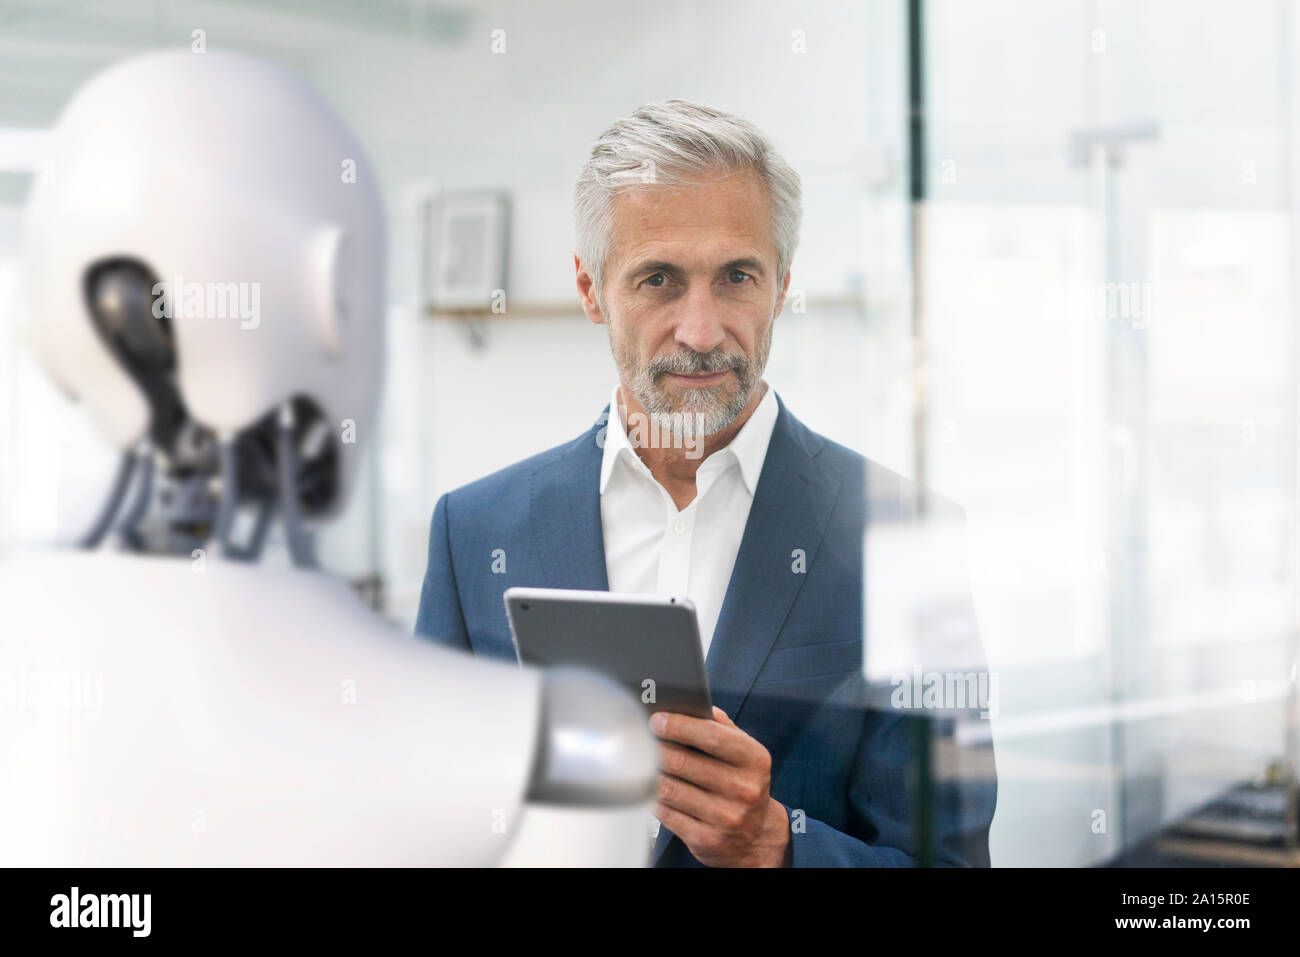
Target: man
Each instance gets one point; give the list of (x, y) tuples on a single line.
[(698, 481)]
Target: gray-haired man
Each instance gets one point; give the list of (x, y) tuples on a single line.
[(698, 481)]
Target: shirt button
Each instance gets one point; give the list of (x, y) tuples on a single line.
[(679, 527)]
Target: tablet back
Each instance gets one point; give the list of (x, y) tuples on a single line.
[(648, 643)]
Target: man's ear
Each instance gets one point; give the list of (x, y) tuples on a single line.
[(587, 290)]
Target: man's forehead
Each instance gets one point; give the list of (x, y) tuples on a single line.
[(725, 215)]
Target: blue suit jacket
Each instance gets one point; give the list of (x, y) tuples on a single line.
[(786, 657)]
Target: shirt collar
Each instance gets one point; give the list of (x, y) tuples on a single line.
[(617, 443), (748, 446), (751, 442)]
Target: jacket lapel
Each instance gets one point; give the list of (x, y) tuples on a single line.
[(791, 508), (565, 508), (792, 505)]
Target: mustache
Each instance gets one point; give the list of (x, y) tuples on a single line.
[(698, 363)]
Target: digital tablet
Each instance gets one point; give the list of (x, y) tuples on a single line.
[(648, 643)]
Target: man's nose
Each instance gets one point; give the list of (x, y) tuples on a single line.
[(698, 326)]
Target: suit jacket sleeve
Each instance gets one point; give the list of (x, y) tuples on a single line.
[(440, 617), (886, 808), (885, 804)]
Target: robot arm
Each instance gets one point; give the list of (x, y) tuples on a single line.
[(593, 783)]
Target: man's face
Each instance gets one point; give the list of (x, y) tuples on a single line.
[(690, 296)]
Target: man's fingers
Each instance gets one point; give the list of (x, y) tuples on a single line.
[(728, 744), (683, 796), (683, 825), (691, 765)]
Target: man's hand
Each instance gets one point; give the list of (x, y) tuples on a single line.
[(718, 802)]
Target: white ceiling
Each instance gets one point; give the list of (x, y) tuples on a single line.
[(49, 47)]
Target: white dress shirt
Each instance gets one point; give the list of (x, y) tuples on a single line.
[(650, 546)]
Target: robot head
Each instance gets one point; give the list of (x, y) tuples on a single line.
[(205, 252)]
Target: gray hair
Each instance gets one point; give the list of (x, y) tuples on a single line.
[(670, 143)]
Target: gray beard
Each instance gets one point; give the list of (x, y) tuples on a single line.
[(702, 412), (706, 412)]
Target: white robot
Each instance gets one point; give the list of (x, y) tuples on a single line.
[(205, 269)]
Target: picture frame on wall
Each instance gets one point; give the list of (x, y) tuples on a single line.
[(467, 241)]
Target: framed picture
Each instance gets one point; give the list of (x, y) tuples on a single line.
[(466, 250)]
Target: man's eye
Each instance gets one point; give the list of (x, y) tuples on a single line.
[(658, 279), (738, 276)]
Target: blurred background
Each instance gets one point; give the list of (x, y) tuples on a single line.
[(1046, 268)]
